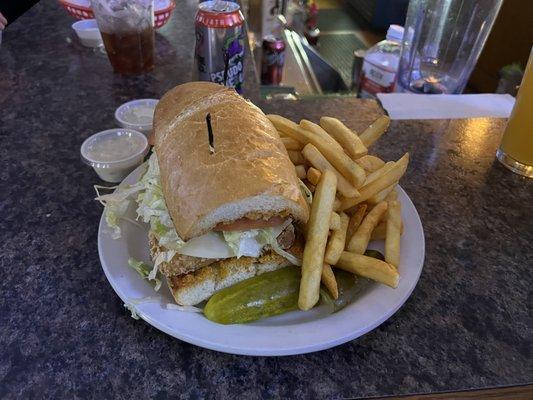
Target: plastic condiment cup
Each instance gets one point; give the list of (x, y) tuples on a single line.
[(137, 114), (114, 153), (88, 32)]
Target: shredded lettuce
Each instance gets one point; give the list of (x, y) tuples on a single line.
[(116, 204), (170, 306), (132, 304), (153, 210), (145, 271), (244, 243), (132, 309), (239, 241)]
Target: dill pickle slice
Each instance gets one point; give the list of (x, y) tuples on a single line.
[(262, 296), (349, 286), (375, 253)]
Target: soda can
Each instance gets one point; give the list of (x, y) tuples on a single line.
[(219, 50), (272, 61)]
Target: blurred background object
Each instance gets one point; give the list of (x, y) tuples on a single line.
[(12, 9), (380, 14), (380, 66), (81, 9), (128, 34), (88, 32), (442, 42), (219, 48), (510, 78), (509, 42), (516, 150), (346, 26)]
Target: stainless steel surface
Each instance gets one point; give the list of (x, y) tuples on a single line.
[(307, 71), (298, 72)]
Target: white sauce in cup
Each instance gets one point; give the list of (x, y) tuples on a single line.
[(114, 153), (137, 114)]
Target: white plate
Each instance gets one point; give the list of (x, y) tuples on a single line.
[(296, 332)]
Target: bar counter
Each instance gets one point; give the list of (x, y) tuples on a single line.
[(65, 333)]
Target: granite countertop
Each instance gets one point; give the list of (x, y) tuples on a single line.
[(65, 333)]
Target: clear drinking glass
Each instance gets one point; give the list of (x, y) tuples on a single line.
[(127, 28), (516, 150), (442, 42)]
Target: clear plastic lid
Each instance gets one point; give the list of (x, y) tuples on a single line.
[(137, 114), (114, 148), (395, 33)]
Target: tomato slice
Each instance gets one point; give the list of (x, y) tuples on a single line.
[(245, 224)]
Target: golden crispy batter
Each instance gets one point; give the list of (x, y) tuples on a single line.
[(199, 285)]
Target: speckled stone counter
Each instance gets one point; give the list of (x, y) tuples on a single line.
[(64, 333)]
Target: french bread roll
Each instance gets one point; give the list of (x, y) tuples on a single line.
[(248, 176)]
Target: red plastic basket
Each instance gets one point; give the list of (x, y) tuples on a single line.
[(161, 17)]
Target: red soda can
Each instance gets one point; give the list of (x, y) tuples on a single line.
[(219, 51), (272, 61)]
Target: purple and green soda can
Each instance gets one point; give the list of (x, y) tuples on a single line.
[(219, 50)]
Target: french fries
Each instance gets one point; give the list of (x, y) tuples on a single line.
[(342, 163), (380, 231), (344, 136), (334, 164), (313, 175), (381, 196), (392, 239), (390, 177), (300, 171), (370, 163), (355, 221), (392, 195), (337, 241), (336, 204), (317, 236), (329, 281), (375, 130), (317, 130), (381, 171), (359, 241), (369, 267), (335, 221), (296, 157), (317, 160), (291, 144)]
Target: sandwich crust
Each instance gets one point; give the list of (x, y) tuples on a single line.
[(249, 174)]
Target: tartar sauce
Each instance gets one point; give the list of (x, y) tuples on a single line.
[(140, 115), (114, 153), (114, 148)]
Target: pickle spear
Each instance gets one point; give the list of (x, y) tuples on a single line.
[(262, 296)]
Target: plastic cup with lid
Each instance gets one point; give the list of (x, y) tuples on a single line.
[(114, 153)]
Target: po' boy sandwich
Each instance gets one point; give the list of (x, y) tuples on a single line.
[(220, 210)]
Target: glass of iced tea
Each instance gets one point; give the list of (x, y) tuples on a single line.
[(128, 32), (516, 150)]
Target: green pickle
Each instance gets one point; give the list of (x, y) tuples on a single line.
[(349, 286), (375, 254), (276, 292), (262, 296)]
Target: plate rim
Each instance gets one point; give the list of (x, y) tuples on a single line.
[(231, 349)]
